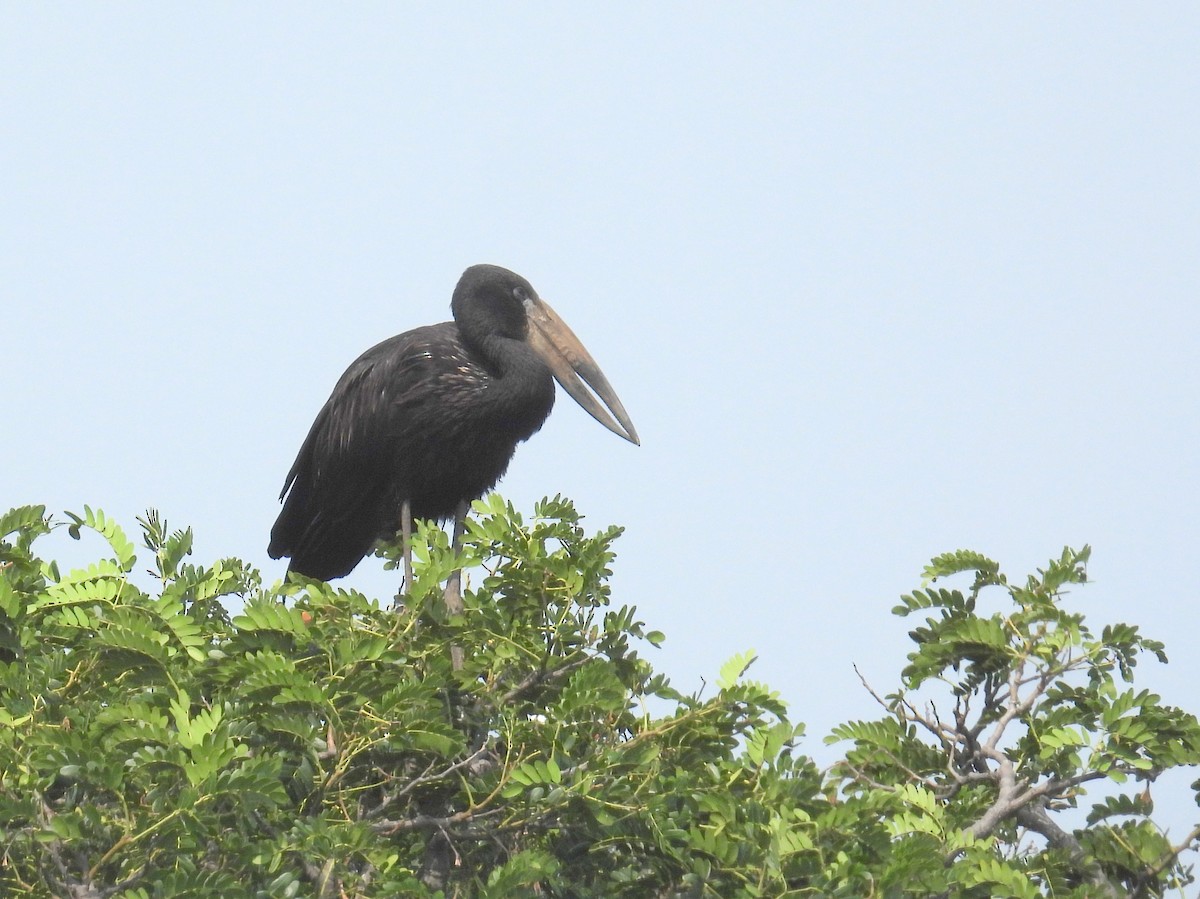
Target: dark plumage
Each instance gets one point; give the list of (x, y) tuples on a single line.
[(431, 416)]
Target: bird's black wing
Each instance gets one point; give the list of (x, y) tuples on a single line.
[(342, 492)]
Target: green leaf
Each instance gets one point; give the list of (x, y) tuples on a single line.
[(1112, 806), (110, 531), (732, 671), (266, 615), (24, 518), (962, 560)]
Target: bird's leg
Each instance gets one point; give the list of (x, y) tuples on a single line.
[(406, 529), (439, 851), (452, 597)]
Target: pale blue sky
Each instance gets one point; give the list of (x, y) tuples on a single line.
[(874, 281)]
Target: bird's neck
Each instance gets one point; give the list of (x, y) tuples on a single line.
[(521, 382), (509, 359)]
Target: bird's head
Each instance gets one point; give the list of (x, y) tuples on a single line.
[(495, 301)]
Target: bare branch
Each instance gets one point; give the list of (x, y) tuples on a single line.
[(1033, 817), (431, 822), (1007, 801), (539, 677), (427, 777)]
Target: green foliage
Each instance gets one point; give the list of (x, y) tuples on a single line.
[(1036, 712), (321, 743)]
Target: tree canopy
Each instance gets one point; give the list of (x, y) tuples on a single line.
[(199, 733)]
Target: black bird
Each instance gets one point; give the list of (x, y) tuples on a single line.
[(431, 418)]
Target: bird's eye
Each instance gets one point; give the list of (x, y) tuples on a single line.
[(519, 294)]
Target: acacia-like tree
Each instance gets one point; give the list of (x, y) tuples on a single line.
[(320, 743)]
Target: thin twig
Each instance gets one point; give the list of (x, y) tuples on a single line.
[(426, 778), (1170, 857)]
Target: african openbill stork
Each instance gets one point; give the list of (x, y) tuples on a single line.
[(428, 421)]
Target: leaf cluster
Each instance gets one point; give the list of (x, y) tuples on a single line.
[(189, 731), (1003, 720)]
